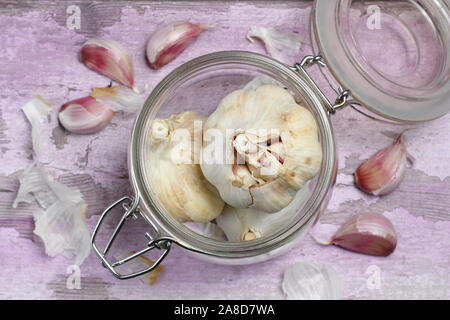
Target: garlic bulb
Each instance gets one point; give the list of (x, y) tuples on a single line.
[(172, 166), (260, 147), (249, 224)]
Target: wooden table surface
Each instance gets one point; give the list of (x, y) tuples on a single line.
[(39, 55)]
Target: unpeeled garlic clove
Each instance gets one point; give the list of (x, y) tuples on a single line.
[(383, 171), (311, 281), (85, 115), (370, 233), (169, 41), (109, 58)]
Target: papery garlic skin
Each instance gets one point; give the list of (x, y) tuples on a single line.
[(281, 45), (173, 170), (109, 58), (271, 148), (61, 223), (383, 171), (120, 98), (371, 234), (85, 115), (169, 41), (37, 111)]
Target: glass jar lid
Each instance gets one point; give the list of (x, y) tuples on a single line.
[(393, 56)]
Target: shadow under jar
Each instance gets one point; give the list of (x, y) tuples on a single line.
[(350, 67)]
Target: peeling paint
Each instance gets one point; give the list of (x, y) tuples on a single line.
[(422, 195), (37, 39), (3, 137), (59, 137)]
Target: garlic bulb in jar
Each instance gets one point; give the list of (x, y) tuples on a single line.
[(260, 147), (250, 224), (174, 172)]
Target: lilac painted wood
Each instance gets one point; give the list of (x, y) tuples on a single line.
[(39, 56)]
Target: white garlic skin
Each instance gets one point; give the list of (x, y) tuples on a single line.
[(281, 45), (272, 109), (120, 98), (180, 186), (250, 224), (37, 111)]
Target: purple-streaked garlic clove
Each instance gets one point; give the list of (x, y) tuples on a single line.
[(85, 115), (383, 171), (371, 234), (169, 41), (108, 57)]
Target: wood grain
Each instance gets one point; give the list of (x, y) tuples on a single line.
[(40, 57)]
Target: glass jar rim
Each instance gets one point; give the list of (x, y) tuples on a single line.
[(342, 67), (189, 239)]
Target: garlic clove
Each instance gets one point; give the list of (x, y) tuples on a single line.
[(383, 171), (120, 98), (85, 115), (241, 224), (371, 234), (108, 57), (311, 281), (170, 40)]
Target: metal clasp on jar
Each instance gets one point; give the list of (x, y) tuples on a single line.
[(343, 95), (130, 205), (342, 99)]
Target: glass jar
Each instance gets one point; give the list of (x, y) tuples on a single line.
[(409, 94)]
